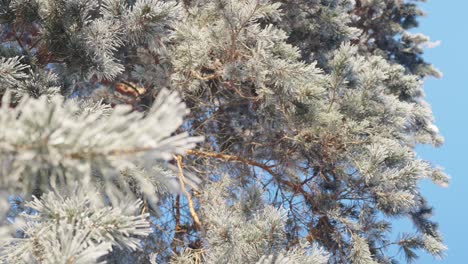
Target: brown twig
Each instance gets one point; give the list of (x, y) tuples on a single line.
[(204, 78), (231, 158), (194, 215), (295, 187)]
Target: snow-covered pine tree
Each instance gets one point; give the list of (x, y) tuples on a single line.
[(306, 113)]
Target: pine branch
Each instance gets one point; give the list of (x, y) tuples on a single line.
[(187, 194)]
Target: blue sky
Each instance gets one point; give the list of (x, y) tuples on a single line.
[(447, 21)]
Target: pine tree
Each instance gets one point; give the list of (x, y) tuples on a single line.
[(213, 131)]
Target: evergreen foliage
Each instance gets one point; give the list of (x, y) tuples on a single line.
[(298, 146)]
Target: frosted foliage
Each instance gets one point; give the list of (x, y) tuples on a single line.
[(248, 231), (79, 229), (360, 253), (39, 83), (34, 83), (64, 142), (156, 181), (102, 40), (296, 256), (307, 114), (41, 135), (434, 246), (244, 51), (11, 69), (155, 14)]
